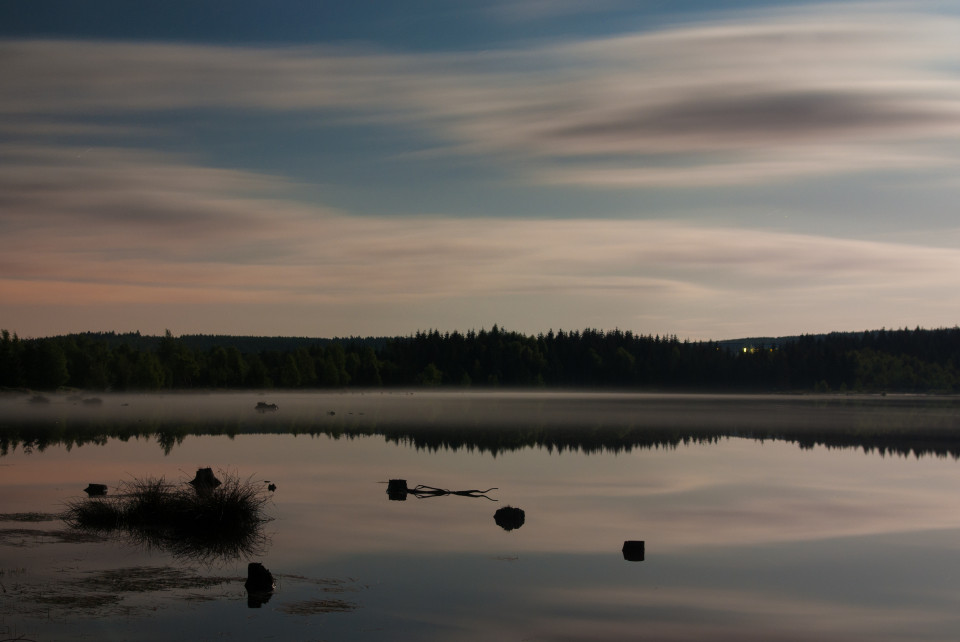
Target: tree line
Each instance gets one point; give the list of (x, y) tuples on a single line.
[(903, 360)]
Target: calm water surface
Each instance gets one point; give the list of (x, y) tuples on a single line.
[(745, 538)]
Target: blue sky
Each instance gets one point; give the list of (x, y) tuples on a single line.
[(374, 168)]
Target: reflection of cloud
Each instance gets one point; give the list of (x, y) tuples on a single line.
[(817, 80), (694, 612)]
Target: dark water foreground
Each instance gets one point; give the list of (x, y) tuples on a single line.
[(801, 518)]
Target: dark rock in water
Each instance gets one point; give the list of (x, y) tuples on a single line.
[(263, 406), (509, 518), (397, 490), (204, 479), (95, 490), (633, 550), (259, 579), (259, 585)]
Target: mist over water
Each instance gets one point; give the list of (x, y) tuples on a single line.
[(498, 420)]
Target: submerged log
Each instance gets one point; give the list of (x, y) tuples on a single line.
[(509, 518), (95, 490), (263, 406), (633, 550)]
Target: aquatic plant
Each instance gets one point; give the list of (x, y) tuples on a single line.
[(225, 522)]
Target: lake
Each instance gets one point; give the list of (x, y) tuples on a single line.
[(762, 517)]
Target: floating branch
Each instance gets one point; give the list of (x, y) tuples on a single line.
[(398, 491)]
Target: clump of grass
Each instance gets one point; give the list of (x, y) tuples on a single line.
[(225, 522)]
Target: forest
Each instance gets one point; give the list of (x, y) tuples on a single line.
[(918, 360)]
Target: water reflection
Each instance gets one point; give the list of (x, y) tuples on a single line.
[(754, 539), (501, 422)]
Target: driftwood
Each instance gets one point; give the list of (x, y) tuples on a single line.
[(398, 491), (421, 490)]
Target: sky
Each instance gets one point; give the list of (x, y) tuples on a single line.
[(373, 168)]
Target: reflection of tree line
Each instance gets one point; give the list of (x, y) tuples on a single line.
[(902, 360), (894, 439)]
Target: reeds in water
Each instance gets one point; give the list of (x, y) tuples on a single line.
[(205, 524)]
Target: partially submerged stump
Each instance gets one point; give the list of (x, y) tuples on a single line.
[(263, 406), (397, 490), (95, 490), (204, 480), (259, 585), (509, 518), (633, 550)]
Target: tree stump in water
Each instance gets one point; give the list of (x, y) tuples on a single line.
[(95, 490), (633, 550), (397, 490), (205, 480)]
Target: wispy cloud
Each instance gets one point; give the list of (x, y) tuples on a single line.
[(137, 227), (756, 98), (761, 88)]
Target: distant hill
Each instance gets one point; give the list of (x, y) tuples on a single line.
[(750, 343)]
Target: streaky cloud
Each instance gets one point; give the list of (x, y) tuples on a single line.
[(757, 85), (224, 236)]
